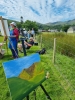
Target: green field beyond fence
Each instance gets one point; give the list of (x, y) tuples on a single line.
[(65, 43)]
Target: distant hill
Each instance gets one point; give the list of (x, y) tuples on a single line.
[(70, 22), (31, 72), (56, 25), (27, 73), (9, 21)]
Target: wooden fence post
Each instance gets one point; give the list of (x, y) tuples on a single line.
[(54, 50), (41, 41)]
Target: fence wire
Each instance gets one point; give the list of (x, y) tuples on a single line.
[(63, 50)]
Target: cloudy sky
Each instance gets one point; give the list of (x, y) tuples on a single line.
[(42, 11)]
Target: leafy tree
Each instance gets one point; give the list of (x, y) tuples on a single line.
[(65, 28), (30, 24), (19, 25)]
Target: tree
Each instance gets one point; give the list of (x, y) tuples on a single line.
[(29, 25), (65, 28), (19, 25)]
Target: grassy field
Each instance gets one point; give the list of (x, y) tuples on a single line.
[(23, 87), (65, 43), (60, 85)]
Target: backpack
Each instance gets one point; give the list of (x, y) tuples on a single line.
[(43, 51)]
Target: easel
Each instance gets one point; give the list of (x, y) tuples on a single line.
[(42, 87), (28, 85), (24, 49), (5, 34)]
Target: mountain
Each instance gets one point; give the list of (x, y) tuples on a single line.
[(27, 73), (33, 71), (70, 22)]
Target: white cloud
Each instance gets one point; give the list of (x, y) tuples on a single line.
[(59, 2), (42, 11)]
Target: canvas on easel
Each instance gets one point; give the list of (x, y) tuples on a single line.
[(4, 27), (24, 75), (4, 30)]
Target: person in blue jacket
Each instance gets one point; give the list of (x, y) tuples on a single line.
[(13, 39)]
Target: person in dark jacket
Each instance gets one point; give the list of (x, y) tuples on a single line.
[(26, 44)]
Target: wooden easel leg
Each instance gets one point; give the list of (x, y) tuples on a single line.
[(7, 46), (48, 97)]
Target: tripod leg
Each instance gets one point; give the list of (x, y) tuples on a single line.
[(34, 95), (48, 97), (27, 97), (24, 49)]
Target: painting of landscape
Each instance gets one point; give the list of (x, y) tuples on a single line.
[(23, 75)]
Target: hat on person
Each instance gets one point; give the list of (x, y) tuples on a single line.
[(13, 23)]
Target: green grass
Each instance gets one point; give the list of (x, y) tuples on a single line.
[(23, 87), (65, 43), (1, 38), (60, 85)]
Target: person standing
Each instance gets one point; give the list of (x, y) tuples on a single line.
[(13, 39), (33, 33), (25, 32), (29, 34)]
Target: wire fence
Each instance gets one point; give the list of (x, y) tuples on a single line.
[(62, 55), (62, 48)]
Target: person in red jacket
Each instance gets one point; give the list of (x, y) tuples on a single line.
[(13, 39)]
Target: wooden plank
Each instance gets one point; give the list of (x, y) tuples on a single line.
[(54, 50)]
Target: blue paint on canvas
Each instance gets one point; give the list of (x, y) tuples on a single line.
[(14, 67)]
